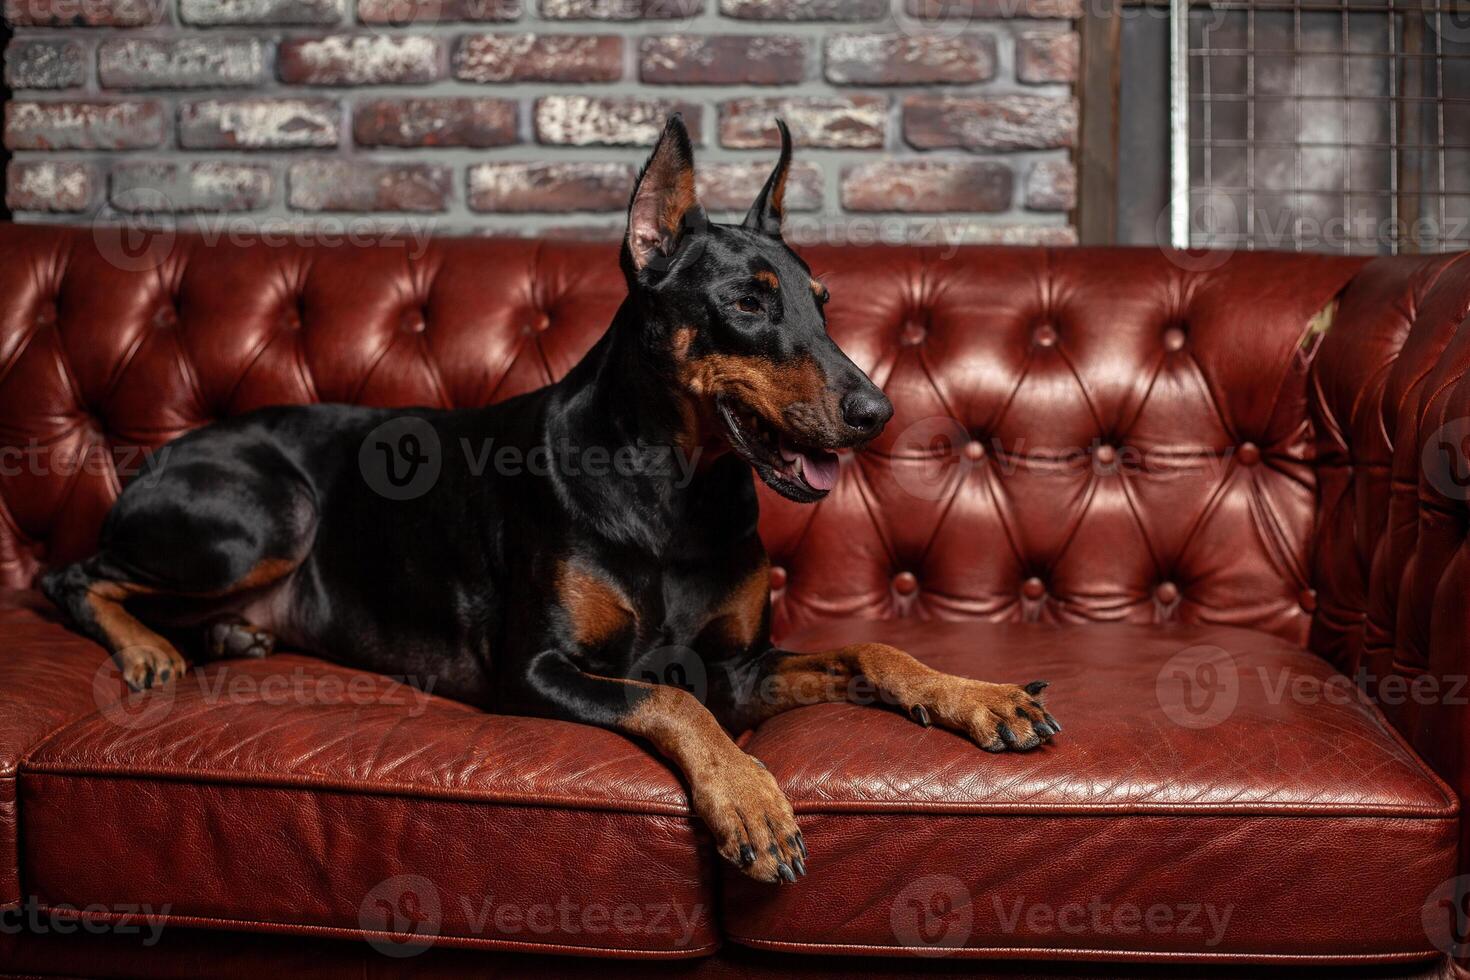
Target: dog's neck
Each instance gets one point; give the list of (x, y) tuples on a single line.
[(625, 396)]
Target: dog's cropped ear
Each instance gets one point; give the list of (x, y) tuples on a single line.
[(665, 207), (769, 208)]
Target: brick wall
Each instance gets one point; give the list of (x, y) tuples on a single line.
[(914, 119)]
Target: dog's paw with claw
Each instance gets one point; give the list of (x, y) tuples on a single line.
[(998, 717), (751, 820)]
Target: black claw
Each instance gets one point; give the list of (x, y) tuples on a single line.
[(920, 714), (800, 867), (1006, 735), (1036, 687), (757, 762), (1056, 726), (747, 855), (801, 844), (995, 746), (1042, 729), (784, 872), (165, 675)]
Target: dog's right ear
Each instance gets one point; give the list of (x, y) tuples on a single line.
[(664, 206)]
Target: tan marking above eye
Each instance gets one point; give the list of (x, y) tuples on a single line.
[(769, 278), (683, 337)]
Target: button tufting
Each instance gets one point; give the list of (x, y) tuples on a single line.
[(913, 333), (540, 322), (1308, 600), (46, 313), (1045, 335), (1105, 455), (975, 450), (1167, 593), (905, 583), (778, 578), (1174, 338), (413, 321), (165, 318), (1033, 588), (1249, 454), (291, 319)]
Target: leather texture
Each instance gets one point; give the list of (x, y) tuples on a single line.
[(1100, 458), (294, 792), (1196, 802)]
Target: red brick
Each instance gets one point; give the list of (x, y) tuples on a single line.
[(519, 188), (928, 186), (46, 185), (805, 10), (837, 121), (1046, 56), (83, 125), (360, 59), (909, 59), (213, 13), (401, 13), (722, 59), (1001, 122), (583, 120), (616, 10), (733, 186), (163, 186), (194, 62), (539, 58), (987, 9), (258, 124), (435, 122), (45, 64), (339, 185), (84, 13), (1051, 186)]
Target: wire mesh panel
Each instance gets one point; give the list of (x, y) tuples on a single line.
[(1329, 125)]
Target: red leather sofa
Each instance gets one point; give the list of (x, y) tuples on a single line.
[(1191, 491)]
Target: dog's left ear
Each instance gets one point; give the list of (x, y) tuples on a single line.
[(664, 206), (769, 208)]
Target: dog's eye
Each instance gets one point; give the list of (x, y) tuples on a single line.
[(748, 304)]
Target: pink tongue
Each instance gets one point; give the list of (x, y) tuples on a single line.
[(820, 470)]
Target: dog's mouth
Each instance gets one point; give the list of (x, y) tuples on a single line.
[(795, 470)]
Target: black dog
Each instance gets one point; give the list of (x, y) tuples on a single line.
[(538, 593)]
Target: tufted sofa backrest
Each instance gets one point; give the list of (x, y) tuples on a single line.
[(1080, 435)]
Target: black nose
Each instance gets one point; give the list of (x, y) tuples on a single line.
[(866, 410)]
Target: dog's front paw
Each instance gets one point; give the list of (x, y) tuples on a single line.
[(999, 717), (146, 665), (751, 820)]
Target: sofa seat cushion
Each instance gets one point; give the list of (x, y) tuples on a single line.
[(1216, 793), (292, 795)]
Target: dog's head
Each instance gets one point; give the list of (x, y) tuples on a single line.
[(738, 319)]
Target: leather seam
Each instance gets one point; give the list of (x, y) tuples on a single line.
[(344, 932), (1369, 812), (1038, 952), (650, 808)]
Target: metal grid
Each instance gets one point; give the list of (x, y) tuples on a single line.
[(1321, 125)]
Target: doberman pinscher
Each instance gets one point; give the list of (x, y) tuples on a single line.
[(539, 591)]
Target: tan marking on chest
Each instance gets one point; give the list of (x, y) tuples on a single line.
[(596, 608), (737, 620)]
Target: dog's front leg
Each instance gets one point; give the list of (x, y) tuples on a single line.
[(749, 817), (997, 717)]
